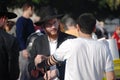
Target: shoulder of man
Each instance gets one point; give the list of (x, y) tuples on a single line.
[(67, 35), (33, 36), (10, 41)]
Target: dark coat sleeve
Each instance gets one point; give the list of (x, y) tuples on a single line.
[(14, 61), (35, 49), (9, 53), (31, 65)]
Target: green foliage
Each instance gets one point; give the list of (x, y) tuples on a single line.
[(102, 3), (36, 1), (76, 7), (113, 4)]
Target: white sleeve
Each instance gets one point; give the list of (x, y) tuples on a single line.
[(63, 52), (109, 66)]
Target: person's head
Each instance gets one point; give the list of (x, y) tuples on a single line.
[(28, 8), (86, 23), (100, 24), (5, 15), (9, 25), (118, 29), (49, 20), (51, 27), (70, 22)]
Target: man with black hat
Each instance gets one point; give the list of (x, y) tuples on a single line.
[(86, 58), (9, 49), (46, 44)]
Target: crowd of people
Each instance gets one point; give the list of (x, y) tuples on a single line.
[(54, 52)]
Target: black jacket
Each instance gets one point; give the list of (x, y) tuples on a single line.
[(41, 46), (9, 52)]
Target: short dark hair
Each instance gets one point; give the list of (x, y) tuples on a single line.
[(86, 22), (27, 5)]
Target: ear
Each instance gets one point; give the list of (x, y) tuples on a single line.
[(94, 29), (78, 27)]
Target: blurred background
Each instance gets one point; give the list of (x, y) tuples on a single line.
[(106, 11)]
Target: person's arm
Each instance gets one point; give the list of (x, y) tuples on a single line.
[(33, 71), (109, 65), (45, 64), (19, 33), (61, 54), (110, 75), (51, 74), (31, 65)]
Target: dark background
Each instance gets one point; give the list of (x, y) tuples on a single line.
[(100, 8)]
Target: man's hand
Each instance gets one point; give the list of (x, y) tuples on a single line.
[(54, 74), (47, 75), (25, 54), (39, 59), (51, 74), (110, 75)]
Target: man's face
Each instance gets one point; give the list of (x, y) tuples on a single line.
[(31, 11), (51, 27), (3, 21), (118, 30)]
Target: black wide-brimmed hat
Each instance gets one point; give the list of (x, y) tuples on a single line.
[(47, 13), (4, 12)]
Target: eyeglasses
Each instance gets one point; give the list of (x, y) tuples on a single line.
[(55, 24)]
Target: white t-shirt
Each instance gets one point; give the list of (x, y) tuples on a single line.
[(86, 59)]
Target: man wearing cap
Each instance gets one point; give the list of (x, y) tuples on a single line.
[(9, 49), (46, 44)]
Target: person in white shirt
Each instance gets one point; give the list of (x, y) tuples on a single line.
[(86, 58), (47, 44)]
